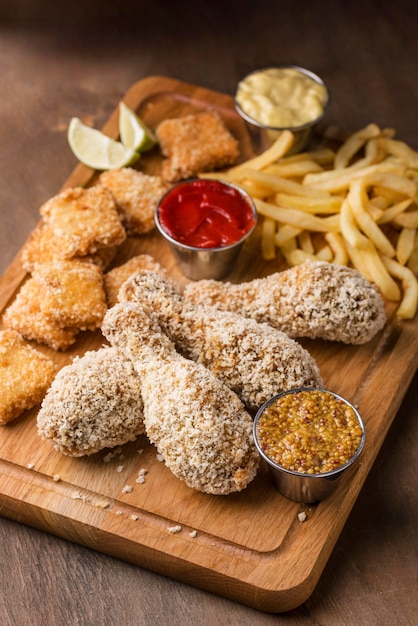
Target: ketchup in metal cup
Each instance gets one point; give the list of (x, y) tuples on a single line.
[(205, 213)]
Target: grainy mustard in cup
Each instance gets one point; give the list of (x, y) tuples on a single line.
[(308, 437)]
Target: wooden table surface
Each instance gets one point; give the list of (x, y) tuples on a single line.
[(62, 61)]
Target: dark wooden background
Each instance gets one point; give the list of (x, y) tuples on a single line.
[(59, 60)]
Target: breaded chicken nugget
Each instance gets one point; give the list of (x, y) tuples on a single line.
[(136, 195), (198, 425), (25, 375), (72, 293), (114, 279), (315, 299), (93, 403), (43, 247), (26, 316), (254, 360), (199, 142), (83, 221)]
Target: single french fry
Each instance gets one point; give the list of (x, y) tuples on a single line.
[(357, 198), (369, 263), (401, 150), (327, 204), (392, 212), (286, 233), (277, 183), (282, 144), (336, 243), (349, 228), (268, 248), (336, 181), (353, 144), (405, 244), (305, 242), (409, 302), (299, 219), (413, 259), (297, 169), (407, 219)]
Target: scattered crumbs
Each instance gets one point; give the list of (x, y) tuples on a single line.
[(127, 489), (120, 468), (103, 504), (118, 512), (108, 457), (173, 529), (140, 450), (193, 534), (134, 517), (122, 456), (302, 516), (31, 465), (79, 496), (141, 476), (160, 457), (56, 478)]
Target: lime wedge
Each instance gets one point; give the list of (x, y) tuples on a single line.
[(134, 133), (97, 150)]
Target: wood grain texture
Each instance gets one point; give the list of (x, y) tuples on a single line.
[(250, 547), (61, 60)]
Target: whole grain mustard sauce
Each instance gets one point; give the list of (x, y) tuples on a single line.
[(281, 97), (309, 432)]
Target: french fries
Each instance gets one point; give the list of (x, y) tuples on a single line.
[(354, 206)]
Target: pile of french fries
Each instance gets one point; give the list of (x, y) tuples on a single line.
[(356, 205)]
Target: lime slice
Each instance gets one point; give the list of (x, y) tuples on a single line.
[(97, 150), (134, 133)]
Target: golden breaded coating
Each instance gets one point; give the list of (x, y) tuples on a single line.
[(25, 375), (136, 195), (93, 403), (114, 279), (254, 360), (199, 142), (198, 425), (43, 247), (72, 293), (83, 221), (315, 299), (26, 316)]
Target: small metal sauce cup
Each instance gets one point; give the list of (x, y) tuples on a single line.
[(306, 488), (263, 135), (206, 263)]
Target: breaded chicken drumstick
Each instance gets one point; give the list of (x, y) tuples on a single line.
[(93, 403), (198, 425), (315, 299), (254, 360)]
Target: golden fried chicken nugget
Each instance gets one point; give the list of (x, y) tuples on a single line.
[(198, 142), (25, 375), (43, 247), (83, 221), (136, 195), (114, 279), (26, 316), (72, 293)]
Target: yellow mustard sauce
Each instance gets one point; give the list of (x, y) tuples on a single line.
[(281, 97)]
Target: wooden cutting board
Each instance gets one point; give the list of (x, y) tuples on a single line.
[(250, 547)]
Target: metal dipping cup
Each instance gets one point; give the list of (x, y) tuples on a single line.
[(306, 488), (206, 263), (263, 135)]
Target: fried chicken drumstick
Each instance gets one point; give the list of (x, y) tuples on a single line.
[(254, 360), (315, 299), (93, 403), (198, 425)]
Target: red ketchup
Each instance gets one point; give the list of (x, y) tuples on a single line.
[(205, 213)]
